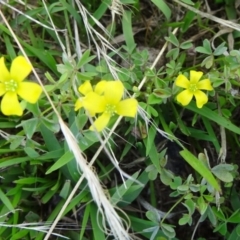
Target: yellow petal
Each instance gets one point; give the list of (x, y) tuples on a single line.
[(205, 85), (182, 81), (195, 76), (201, 98), (29, 91), (184, 97), (113, 92), (94, 103), (101, 122), (10, 105), (4, 73), (78, 104), (85, 88), (20, 69), (100, 87), (127, 108), (2, 89)]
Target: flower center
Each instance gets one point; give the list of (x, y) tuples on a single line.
[(11, 85), (111, 109), (193, 87)]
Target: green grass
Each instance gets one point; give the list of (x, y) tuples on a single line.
[(163, 174)]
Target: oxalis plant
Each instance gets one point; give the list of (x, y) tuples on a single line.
[(101, 140)]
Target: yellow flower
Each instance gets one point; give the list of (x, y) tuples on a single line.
[(109, 104), (12, 85), (193, 88), (85, 89)]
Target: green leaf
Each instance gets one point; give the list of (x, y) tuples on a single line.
[(85, 220), (52, 125), (6, 201), (183, 188), (52, 155), (222, 172), (152, 172), (153, 99), (84, 76), (221, 228), (66, 189), (207, 45), (13, 161), (122, 190), (150, 146), (165, 177), (20, 234), (202, 205), (174, 53), (134, 190), (127, 30), (189, 16), (31, 152), (67, 157), (32, 217), (238, 230), (206, 49), (48, 196), (215, 117), (85, 59), (168, 230), (177, 181), (189, 2), (190, 205), (30, 180), (200, 168), (235, 217), (172, 39), (153, 216), (49, 138), (81, 120), (16, 141), (162, 93), (30, 126), (96, 222), (186, 45), (202, 50), (208, 62), (152, 111), (186, 218), (219, 213), (163, 7), (211, 216), (220, 50), (235, 234), (142, 226)]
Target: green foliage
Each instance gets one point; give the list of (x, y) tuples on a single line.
[(182, 160)]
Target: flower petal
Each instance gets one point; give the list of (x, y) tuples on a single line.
[(113, 92), (184, 97), (182, 81), (100, 87), (205, 84), (85, 88), (10, 105), (201, 98), (78, 104), (94, 103), (101, 122), (195, 76), (20, 69), (127, 107), (2, 89), (4, 73), (29, 91)]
